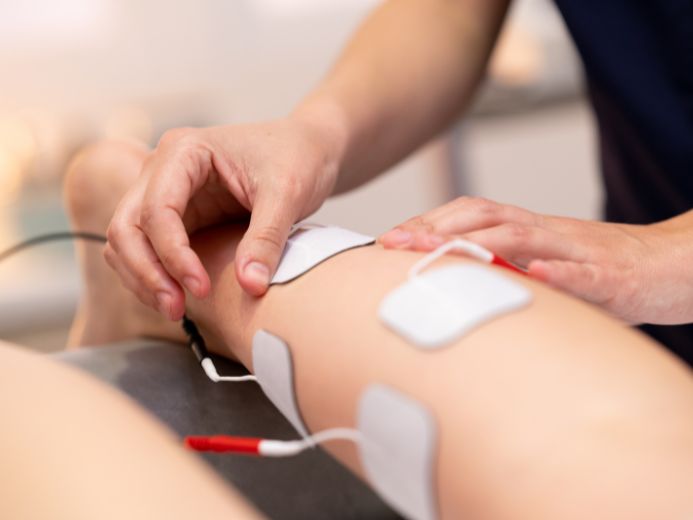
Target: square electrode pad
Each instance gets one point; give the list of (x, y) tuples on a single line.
[(274, 370), (437, 306), (398, 451), (310, 245)]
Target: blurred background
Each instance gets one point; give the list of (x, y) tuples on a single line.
[(78, 70)]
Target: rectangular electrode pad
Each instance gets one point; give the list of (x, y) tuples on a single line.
[(398, 451), (275, 373), (310, 244), (437, 306)]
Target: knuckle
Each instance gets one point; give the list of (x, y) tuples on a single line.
[(462, 200), (148, 280), (293, 182), (172, 262), (517, 233), (148, 217), (594, 277), (485, 207), (270, 236), (292, 187), (174, 136), (114, 233), (419, 223), (486, 211)]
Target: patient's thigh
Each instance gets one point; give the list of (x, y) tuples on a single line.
[(82, 447)]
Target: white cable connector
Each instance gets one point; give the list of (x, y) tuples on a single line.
[(211, 371)]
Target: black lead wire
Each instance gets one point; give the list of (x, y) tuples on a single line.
[(52, 237), (195, 340)]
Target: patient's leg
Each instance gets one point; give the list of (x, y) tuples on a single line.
[(95, 182), (556, 411), (553, 412), (72, 448)]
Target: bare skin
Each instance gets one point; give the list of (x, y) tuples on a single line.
[(556, 411), (75, 449)]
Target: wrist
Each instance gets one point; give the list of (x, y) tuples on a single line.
[(327, 122), (671, 268)]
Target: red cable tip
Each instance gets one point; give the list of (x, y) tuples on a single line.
[(497, 260), (224, 444)]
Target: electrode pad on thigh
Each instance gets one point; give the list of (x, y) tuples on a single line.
[(310, 244), (434, 308), (275, 373), (398, 450)]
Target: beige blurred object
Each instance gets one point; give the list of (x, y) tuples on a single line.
[(18, 148), (415, 186), (10, 175), (518, 58), (544, 160), (129, 122)]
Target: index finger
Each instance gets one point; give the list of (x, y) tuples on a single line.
[(174, 177), (462, 215)]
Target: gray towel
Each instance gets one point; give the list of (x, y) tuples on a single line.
[(167, 380)]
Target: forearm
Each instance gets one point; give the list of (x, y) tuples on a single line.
[(557, 391), (74, 448), (408, 72)]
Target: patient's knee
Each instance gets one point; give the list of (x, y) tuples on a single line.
[(98, 176)]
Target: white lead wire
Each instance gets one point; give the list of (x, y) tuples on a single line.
[(211, 371), (458, 244), (275, 448)]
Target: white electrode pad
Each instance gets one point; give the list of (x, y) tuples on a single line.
[(398, 450), (275, 374), (433, 308), (310, 244)]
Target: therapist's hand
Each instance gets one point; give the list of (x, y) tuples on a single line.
[(278, 172), (637, 273)]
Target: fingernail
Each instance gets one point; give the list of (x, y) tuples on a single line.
[(191, 284), (163, 300), (397, 237), (257, 273)]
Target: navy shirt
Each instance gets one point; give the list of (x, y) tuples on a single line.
[(638, 60)]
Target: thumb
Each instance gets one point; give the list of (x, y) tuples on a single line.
[(586, 281), (259, 251)]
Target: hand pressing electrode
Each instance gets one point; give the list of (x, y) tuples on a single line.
[(366, 115), (639, 273), (278, 173)]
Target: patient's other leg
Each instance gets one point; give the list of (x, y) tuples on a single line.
[(74, 448), (95, 182)]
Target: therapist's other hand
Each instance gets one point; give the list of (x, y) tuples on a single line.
[(636, 273), (278, 172)]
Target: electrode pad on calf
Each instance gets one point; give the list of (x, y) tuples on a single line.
[(274, 370), (398, 450), (310, 244), (434, 308)]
